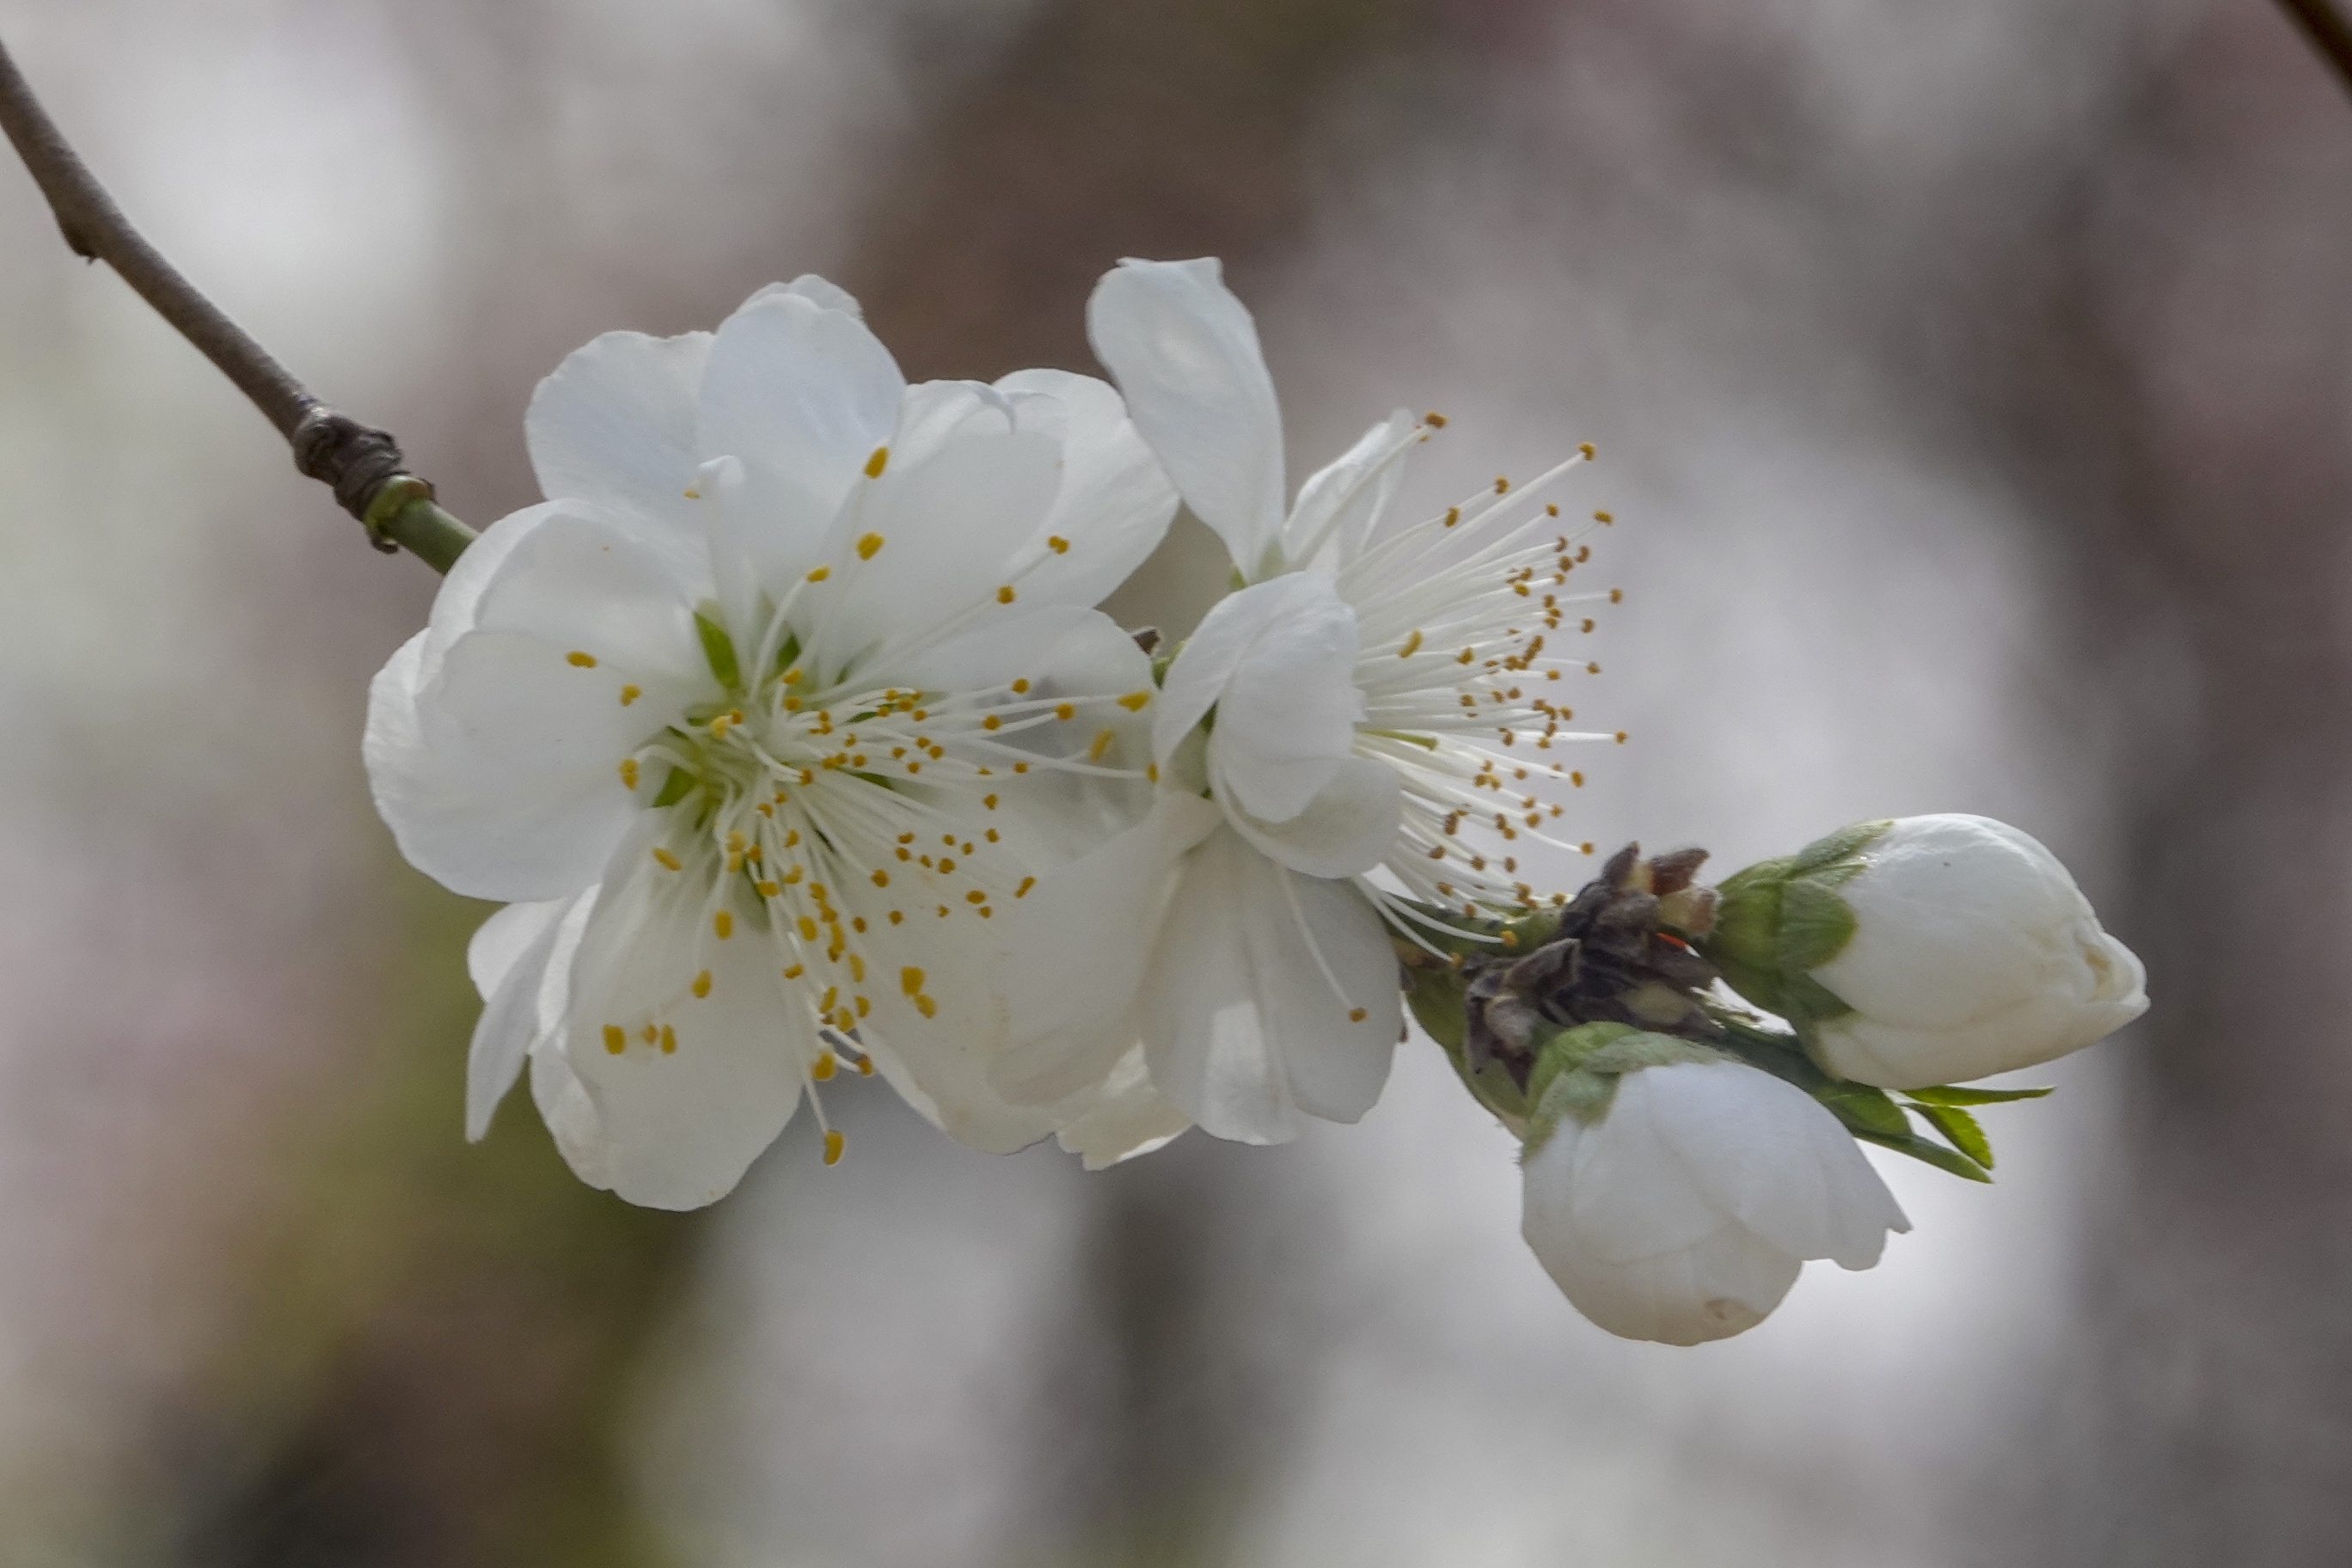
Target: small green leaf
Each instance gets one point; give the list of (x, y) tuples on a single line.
[(674, 788), (1946, 1095), (719, 651), (1961, 1129), (1815, 926), (1861, 1107), (1935, 1154), (1807, 1000)]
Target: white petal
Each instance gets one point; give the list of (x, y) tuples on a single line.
[(818, 292), (1120, 1120), (589, 584), (802, 394), (1346, 830), (1114, 501), (1242, 1029), (615, 426), (480, 825), (1075, 949), (1710, 1288), (1342, 502), (1630, 1195), (680, 1126), (962, 494), (1773, 1159), (512, 957), (1296, 630), (1185, 352)]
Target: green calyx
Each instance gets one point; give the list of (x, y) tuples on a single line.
[(1780, 920), (1578, 1069)]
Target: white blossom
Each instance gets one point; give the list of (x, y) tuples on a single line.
[(1376, 711), (1686, 1210), (788, 688), (1973, 952)]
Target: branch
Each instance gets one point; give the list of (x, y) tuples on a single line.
[(2328, 32), (363, 466)]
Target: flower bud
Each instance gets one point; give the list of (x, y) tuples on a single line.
[(1678, 1201), (1931, 950)]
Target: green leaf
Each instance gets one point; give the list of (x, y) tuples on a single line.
[(719, 651), (674, 788), (1961, 1129), (1935, 1154), (1946, 1095), (1815, 926)]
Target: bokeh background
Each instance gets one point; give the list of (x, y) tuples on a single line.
[(1973, 385)]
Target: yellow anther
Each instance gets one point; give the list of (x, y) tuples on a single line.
[(1021, 767), (1616, 595), (1356, 1015), (820, 573), (1621, 737), (1023, 890), (584, 660), (833, 1142), (1584, 848), (1435, 420), (629, 771), (735, 841), (822, 1068), (864, 1006), (869, 546), (990, 835), (1102, 743), (1452, 515), (927, 1007), (769, 890), (1465, 655), (1502, 485), (668, 861), (865, 1063), (614, 1040), (1586, 451), (791, 875), (794, 973), (808, 928), (1065, 712), (1020, 686), (651, 1034), (881, 878), (1057, 545), (792, 837), (722, 925), (878, 463), (1134, 700), (1004, 595), (975, 896), (702, 983), (989, 801), (668, 1041), (629, 694), (947, 867), (1152, 771), (856, 967), (1411, 645)]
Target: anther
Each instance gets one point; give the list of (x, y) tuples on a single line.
[(1411, 645), (833, 1142), (629, 694), (702, 983), (878, 463), (822, 1068), (1057, 545), (722, 925), (668, 1041), (629, 771), (614, 1040), (1356, 1015), (1004, 596), (819, 574), (1134, 700), (1102, 743), (582, 661), (869, 546), (668, 861)]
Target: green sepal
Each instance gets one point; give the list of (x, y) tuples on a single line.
[(1946, 1095), (1836, 851), (1568, 1050), (786, 653), (1807, 1001), (1815, 926), (1931, 1153), (674, 788), (719, 651), (1438, 996), (1864, 1110), (1741, 946), (1577, 1071), (1960, 1130)]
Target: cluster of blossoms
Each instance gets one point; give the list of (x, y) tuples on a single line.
[(788, 733)]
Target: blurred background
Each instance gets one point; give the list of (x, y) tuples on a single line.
[(1973, 386)]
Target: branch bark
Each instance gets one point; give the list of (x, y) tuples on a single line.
[(2328, 33), (363, 466)]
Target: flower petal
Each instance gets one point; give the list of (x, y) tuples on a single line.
[(1340, 503), (1346, 830), (1114, 501), (614, 425), (518, 957), (1123, 1118), (1185, 352), (1772, 1158), (802, 394), (1277, 662), (1242, 1029), (1079, 944), (680, 1115), (962, 493)]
